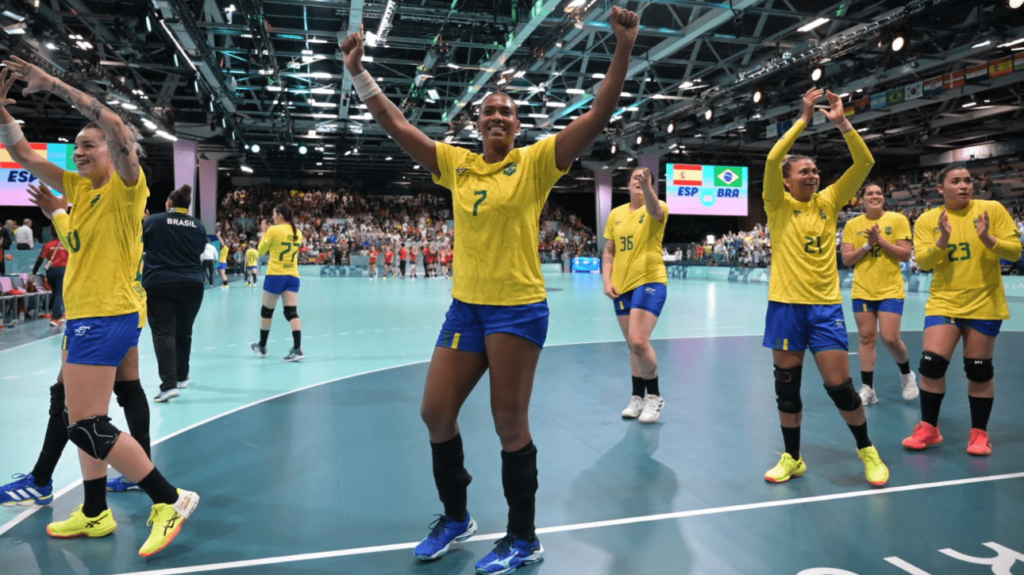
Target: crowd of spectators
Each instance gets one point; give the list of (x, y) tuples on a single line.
[(751, 249)]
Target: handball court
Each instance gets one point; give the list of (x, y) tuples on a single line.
[(324, 466)]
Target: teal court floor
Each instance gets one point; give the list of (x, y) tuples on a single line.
[(324, 466)]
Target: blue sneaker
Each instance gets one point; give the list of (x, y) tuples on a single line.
[(510, 553), (443, 533), (120, 484), (24, 491)]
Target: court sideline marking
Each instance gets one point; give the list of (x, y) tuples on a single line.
[(577, 526)]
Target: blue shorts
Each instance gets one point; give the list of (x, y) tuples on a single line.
[(101, 340), (466, 325), (887, 305), (649, 297), (252, 268), (222, 266), (277, 284), (796, 327), (989, 327)]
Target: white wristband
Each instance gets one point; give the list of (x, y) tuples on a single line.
[(10, 134), (57, 211), (365, 87)]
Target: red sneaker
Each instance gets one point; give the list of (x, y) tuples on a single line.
[(979, 443), (925, 435)]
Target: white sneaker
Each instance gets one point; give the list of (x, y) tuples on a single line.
[(652, 409), (636, 405), (163, 396), (909, 383), (184, 384), (868, 395)]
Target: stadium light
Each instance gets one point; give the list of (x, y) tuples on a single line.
[(615, 148), (255, 148), (708, 114), (898, 42), (817, 74), (671, 127), (302, 150), (757, 97)]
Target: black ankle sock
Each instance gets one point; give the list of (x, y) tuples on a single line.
[(930, 404), (132, 398), (55, 439), (652, 386), (981, 408), (860, 433), (868, 378), (450, 476), (519, 480), (791, 439), (95, 496), (638, 386), (158, 489), (297, 338), (904, 367), (264, 334)]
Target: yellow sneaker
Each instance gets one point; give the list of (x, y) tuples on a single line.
[(78, 525), (786, 469), (876, 471), (167, 520)]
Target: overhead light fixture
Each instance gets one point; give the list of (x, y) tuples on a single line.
[(433, 94), (898, 42), (757, 97), (255, 148), (614, 148), (311, 133), (20, 28), (302, 150), (708, 114), (574, 91), (166, 136), (686, 84), (671, 127), (51, 46), (388, 159), (13, 16), (555, 104), (817, 74), (812, 25), (983, 44), (639, 140), (246, 169), (1014, 4), (280, 148), (149, 24), (598, 76), (1009, 44)]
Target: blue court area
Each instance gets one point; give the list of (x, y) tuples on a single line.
[(324, 466)]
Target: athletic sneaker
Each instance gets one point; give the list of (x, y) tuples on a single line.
[(979, 443), (167, 520), (874, 469), (443, 533), (184, 384), (652, 409), (225, 286), (909, 383), (260, 350), (510, 553), (635, 407), (295, 354), (121, 484), (164, 396), (925, 435), (867, 395), (78, 525), (24, 491), (787, 468)]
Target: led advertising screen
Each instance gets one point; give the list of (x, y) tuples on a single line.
[(706, 190), (14, 179)]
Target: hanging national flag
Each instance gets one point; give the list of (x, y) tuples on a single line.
[(976, 72), (933, 86), (862, 104), (1000, 68), (894, 96), (878, 100), (729, 176), (849, 112), (8, 163), (954, 80), (913, 91), (683, 175)]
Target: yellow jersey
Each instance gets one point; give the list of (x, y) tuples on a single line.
[(283, 248), (497, 214), (252, 258), (804, 267), (877, 275), (967, 283), (637, 237), (104, 244), (224, 253)]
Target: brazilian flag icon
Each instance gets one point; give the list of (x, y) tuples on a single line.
[(729, 177)]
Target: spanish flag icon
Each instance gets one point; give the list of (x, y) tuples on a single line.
[(683, 175), (8, 163)]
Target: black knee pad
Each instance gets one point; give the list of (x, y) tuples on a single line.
[(266, 312), (291, 312), (57, 401), (933, 365), (844, 396), (94, 435), (979, 370), (127, 391), (787, 389)]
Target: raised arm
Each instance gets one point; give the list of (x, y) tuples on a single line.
[(14, 140), (120, 139), (863, 161), (651, 202), (409, 137), (581, 132), (773, 186)]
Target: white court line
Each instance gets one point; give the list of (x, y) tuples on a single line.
[(579, 526)]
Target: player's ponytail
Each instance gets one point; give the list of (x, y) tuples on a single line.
[(285, 211)]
